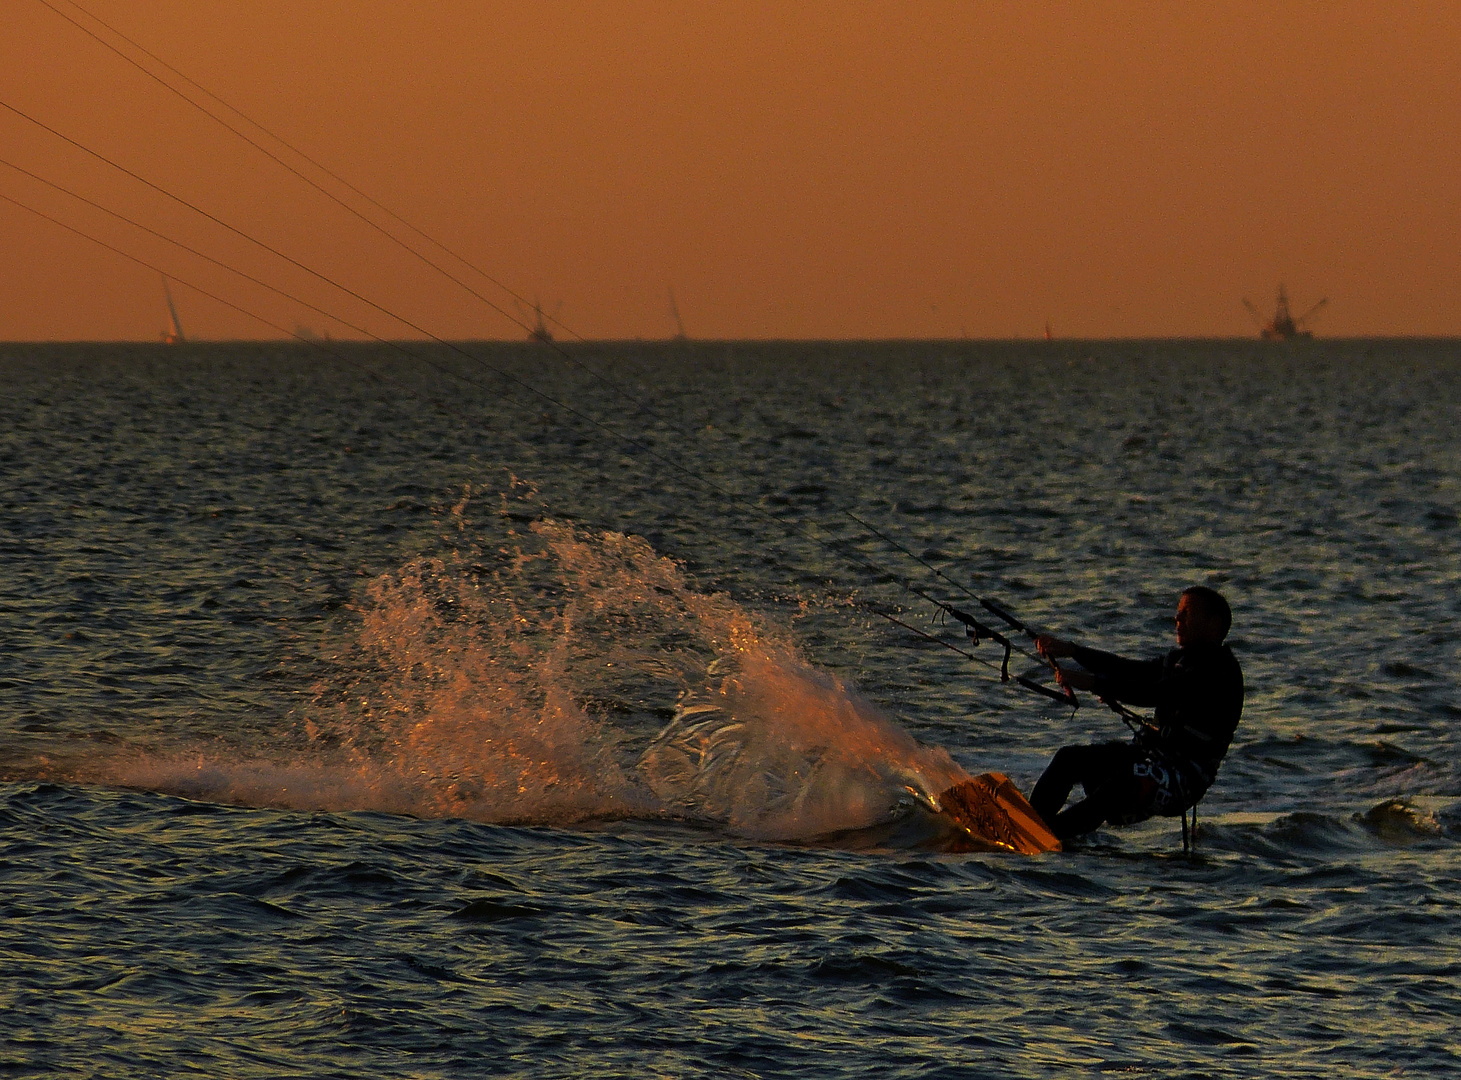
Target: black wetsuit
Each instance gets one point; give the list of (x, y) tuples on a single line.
[(1198, 698)]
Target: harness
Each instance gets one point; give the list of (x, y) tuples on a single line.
[(1140, 724)]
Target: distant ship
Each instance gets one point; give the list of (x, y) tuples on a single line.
[(1283, 326), (175, 335), (540, 332)]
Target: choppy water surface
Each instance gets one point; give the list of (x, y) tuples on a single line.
[(364, 720)]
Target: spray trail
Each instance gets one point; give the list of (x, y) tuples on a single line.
[(780, 750), (538, 692), (558, 676)]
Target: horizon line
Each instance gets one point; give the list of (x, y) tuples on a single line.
[(693, 341)]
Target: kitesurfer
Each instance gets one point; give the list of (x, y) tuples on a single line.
[(1196, 690)]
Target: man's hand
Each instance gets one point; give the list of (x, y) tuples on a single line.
[(1052, 648), (1075, 680)]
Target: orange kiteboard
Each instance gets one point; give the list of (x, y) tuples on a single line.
[(989, 814)]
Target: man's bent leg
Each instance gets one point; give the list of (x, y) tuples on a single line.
[(1121, 798), (1092, 812), (1090, 766), (1053, 787)]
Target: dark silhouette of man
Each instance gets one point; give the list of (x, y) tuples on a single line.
[(1196, 691)]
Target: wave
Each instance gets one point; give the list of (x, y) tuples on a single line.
[(1391, 823)]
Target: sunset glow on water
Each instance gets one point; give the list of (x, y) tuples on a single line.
[(482, 488), (330, 742)]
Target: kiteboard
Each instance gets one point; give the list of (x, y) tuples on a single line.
[(988, 813)]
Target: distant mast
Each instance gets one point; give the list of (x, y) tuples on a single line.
[(175, 335), (675, 314), (1048, 335)]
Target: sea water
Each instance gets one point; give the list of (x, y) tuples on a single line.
[(500, 710)]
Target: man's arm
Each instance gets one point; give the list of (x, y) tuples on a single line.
[(1115, 677), (1133, 682)]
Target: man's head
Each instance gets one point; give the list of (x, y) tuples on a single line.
[(1203, 617)]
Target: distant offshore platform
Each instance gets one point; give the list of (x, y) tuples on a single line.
[(540, 332), (1283, 326)]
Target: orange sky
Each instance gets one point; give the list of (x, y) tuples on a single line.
[(837, 170)]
